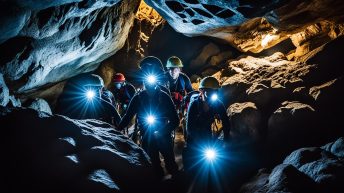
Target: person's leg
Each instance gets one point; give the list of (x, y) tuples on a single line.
[(150, 146), (166, 149)]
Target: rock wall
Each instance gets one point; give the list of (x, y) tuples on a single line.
[(281, 104), (247, 25), (46, 153), (152, 35), (44, 42), (314, 169)]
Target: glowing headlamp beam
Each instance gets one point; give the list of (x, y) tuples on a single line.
[(210, 154), (214, 97), (151, 79), (90, 94), (150, 119)]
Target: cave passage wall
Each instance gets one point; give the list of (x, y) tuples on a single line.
[(280, 65)]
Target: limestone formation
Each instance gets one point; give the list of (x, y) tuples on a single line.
[(52, 153), (45, 42), (252, 25)]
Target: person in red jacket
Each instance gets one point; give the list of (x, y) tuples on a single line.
[(122, 92)]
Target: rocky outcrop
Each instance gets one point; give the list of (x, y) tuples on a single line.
[(52, 153), (246, 122), (5, 97), (40, 105), (311, 169), (43, 42), (4, 93), (282, 103), (248, 25)]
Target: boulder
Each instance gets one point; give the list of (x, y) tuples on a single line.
[(310, 169), (324, 167), (40, 105), (51, 153), (246, 122), (336, 148), (291, 126)]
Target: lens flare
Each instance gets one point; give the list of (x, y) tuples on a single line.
[(210, 154), (150, 119), (214, 97), (151, 79), (90, 94)]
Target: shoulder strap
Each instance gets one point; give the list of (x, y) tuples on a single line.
[(182, 82)]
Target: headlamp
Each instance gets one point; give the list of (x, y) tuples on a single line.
[(214, 97), (151, 79), (90, 94), (150, 119), (210, 154)]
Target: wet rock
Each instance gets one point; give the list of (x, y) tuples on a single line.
[(57, 154), (53, 41), (40, 105)]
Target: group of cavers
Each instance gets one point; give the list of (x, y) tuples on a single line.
[(165, 103)]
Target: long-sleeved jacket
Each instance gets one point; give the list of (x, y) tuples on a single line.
[(181, 85), (159, 104), (77, 107), (198, 122)]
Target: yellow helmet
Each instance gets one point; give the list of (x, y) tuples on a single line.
[(209, 82), (174, 62)]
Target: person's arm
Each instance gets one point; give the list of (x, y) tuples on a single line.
[(131, 90), (172, 113), (131, 111), (117, 117), (110, 108), (191, 118), (188, 86), (225, 120)]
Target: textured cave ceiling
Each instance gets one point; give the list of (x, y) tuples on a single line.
[(43, 43), (279, 63)]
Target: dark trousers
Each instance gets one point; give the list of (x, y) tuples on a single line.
[(163, 144)]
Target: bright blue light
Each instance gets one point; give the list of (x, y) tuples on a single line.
[(214, 97), (151, 79), (90, 94), (210, 154), (150, 119)]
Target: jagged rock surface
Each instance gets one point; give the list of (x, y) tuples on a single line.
[(314, 169), (44, 42), (40, 105), (51, 153), (248, 25), (284, 103)]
